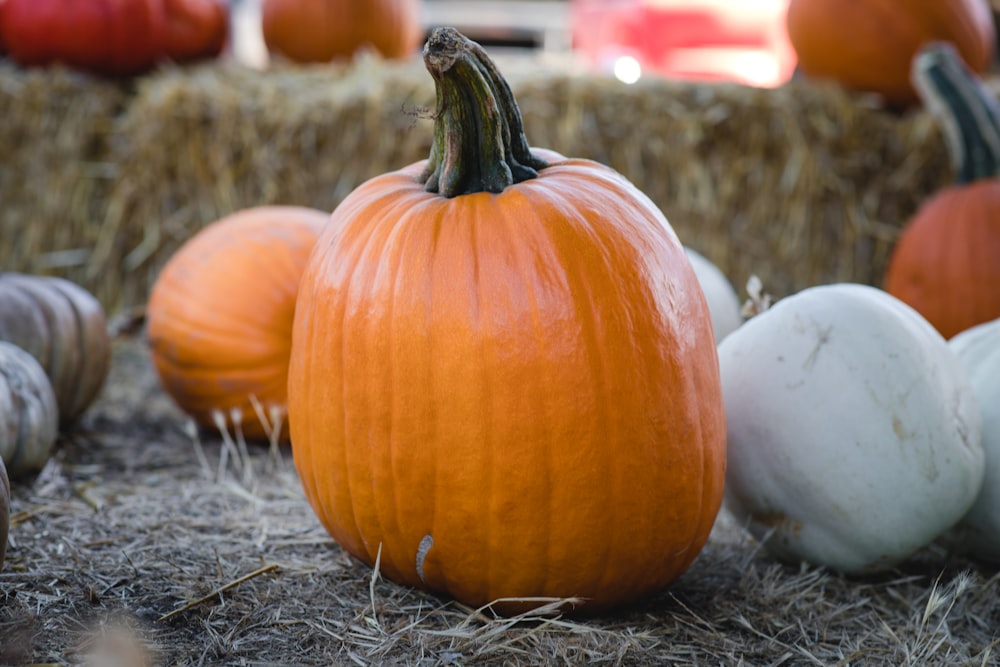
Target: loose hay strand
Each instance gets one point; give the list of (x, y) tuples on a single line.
[(218, 592)]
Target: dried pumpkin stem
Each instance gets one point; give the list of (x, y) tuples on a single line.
[(968, 112), (479, 143)]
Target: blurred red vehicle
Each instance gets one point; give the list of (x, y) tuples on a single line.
[(744, 41)]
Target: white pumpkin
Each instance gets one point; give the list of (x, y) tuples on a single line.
[(4, 511), (723, 303), (29, 414), (978, 349), (853, 430)]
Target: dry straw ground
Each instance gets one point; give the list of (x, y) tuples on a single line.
[(134, 547)]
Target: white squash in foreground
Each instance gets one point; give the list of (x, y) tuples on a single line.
[(978, 349), (853, 431), (723, 303)]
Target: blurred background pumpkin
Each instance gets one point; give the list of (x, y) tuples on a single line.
[(64, 327), (111, 37), (220, 313), (324, 30)]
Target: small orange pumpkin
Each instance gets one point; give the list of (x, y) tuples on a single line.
[(322, 30), (946, 262), (219, 317), (503, 380), (867, 45)]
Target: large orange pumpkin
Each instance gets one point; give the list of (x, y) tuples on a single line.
[(946, 262), (503, 380), (220, 313), (867, 45), (322, 30)]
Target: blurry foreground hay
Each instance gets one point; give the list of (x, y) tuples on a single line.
[(800, 185)]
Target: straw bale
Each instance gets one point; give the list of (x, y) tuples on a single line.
[(800, 185), (196, 144), (54, 173)]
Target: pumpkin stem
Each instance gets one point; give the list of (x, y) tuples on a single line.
[(479, 143), (968, 112)]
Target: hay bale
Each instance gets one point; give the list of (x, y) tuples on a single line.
[(54, 174), (197, 144), (800, 185)]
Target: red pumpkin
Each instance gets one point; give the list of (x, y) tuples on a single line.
[(119, 37), (867, 45), (946, 262), (220, 313), (195, 29), (503, 380), (322, 30)]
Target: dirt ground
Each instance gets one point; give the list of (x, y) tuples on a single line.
[(142, 544)]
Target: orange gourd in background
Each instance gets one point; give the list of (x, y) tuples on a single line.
[(946, 262), (503, 381), (867, 45), (322, 30), (220, 313)]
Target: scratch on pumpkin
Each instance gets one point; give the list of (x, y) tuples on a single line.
[(425, 545)]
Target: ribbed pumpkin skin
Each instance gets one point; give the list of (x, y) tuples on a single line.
[(868, 45), (946, 263), (322, 30), (220, 313), (527, 378), (29, 415), (64, 327)]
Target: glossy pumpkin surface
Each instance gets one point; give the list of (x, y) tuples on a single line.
[(323, 30), (501, 395), (64, 327), (29, 415), (219, 317), (868, 45)]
